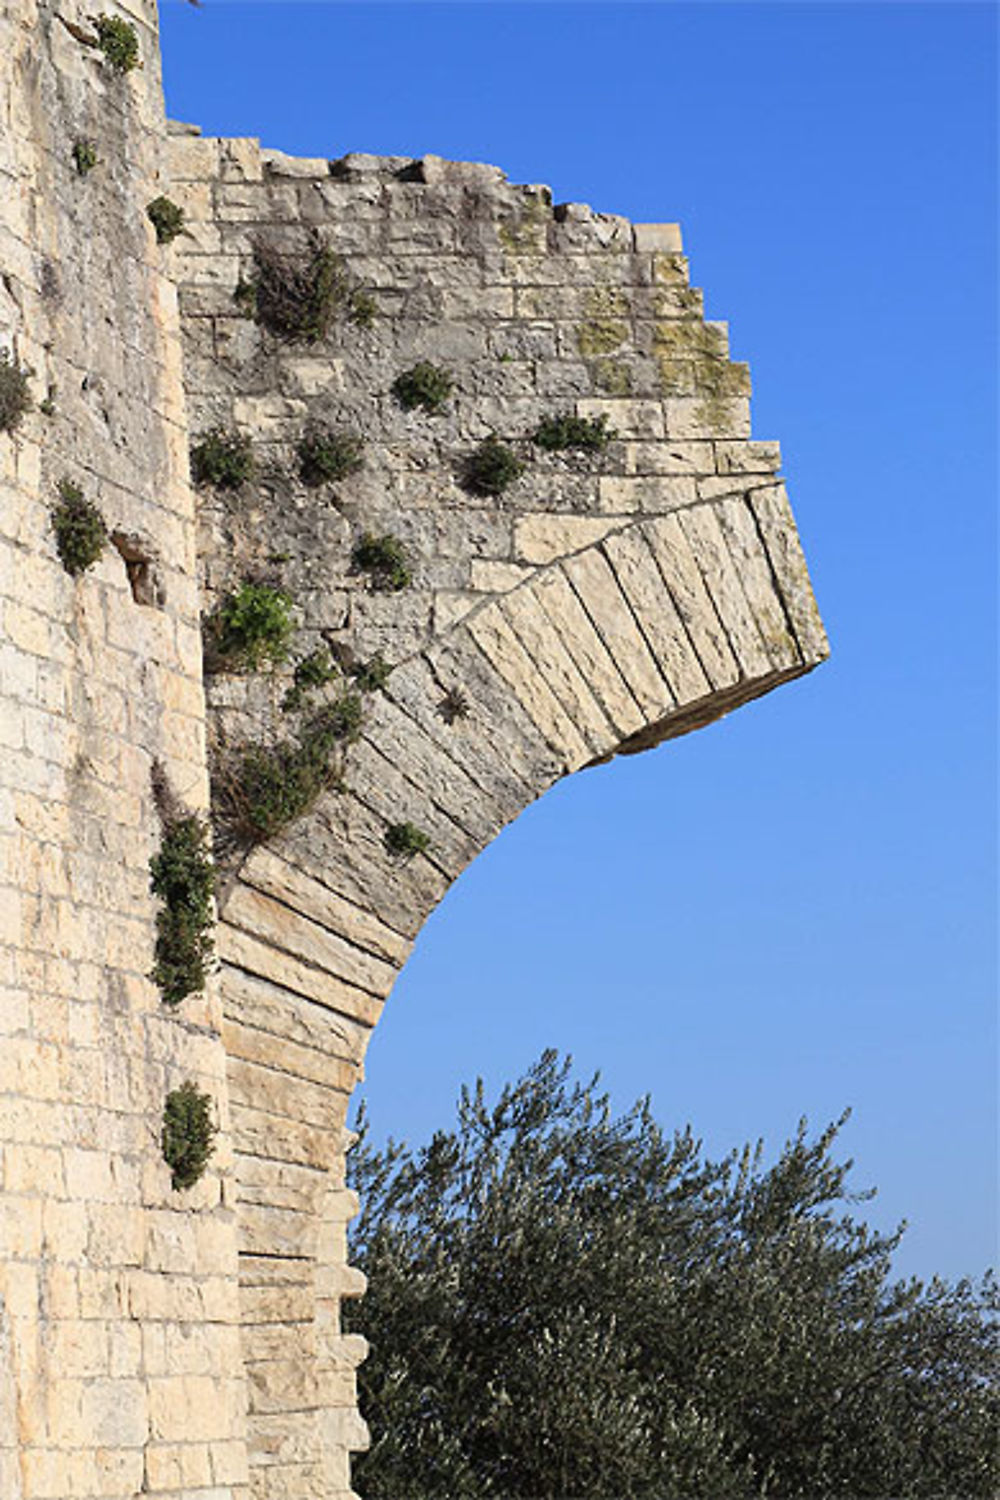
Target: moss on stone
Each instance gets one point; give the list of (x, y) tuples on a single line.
[(600, 336), (670, 266), (612, 376)]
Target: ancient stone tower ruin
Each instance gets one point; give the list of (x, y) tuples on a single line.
[(554, 543)]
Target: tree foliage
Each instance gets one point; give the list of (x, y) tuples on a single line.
[(565, 1304)]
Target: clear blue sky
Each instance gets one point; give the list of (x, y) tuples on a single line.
[(795, 909)]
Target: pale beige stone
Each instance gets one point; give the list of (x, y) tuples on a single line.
[(594, 582), (701, 528), (642, 584)]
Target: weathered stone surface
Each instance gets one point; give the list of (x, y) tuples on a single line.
[(603, 602)]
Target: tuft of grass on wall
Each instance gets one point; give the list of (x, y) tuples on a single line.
[(188, 1136)]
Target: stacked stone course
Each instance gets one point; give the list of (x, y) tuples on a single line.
[(171, 1344)]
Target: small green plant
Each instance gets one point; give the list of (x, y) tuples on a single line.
[(588, 433), (47, 407), (404, 840), (295, 298), (15, 398), (188, 1136), (453, 706), (326, 455), (492, 468), (166, 217), (223, 458), (84, 156), (311, 672), (385, 560), (362, 308), (251, 627), (426, 386), (266, 787), (79, 527), (371, 676), (183, 876), (119, 42)]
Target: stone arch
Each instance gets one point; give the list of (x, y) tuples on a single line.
[(654, 630), (610, 600)]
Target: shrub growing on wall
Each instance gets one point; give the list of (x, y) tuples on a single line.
[(183, 876), (15, 398), (404, 840), (588, 433), (166, 217), (223, 458), (84, 156), (188, 1136), (251, 627), (79, 527), (326, 455), (263, 788), (119, 42), (426, 386), (384, 559), (295, 297), (492, 468)]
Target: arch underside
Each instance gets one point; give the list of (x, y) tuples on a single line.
[(608, 603)]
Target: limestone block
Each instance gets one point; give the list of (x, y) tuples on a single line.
[(701, 528), (661, 237), (774, 517), (594, 583), (492, 633), (543, 538), (544, 644), (642, 584)]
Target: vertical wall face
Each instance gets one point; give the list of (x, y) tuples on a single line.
[(119, 1355), (605, 601)]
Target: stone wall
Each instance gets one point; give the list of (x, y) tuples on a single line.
[(120, 1367), (604, 602), (188, 1343)]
